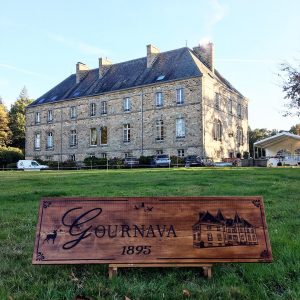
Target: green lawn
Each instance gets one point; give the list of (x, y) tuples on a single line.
[(19, 199)]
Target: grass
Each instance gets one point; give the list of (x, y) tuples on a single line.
[(19, 198)]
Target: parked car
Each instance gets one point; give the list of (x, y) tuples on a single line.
[(161, 160), (28, 164), (193, 161), (131, 162)]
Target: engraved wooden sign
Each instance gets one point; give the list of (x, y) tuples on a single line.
[(160, 230)]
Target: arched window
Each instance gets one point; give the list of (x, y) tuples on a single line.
[(239, 136), (217, 130)]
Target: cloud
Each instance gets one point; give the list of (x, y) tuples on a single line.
[(247, 60), (17, 69), (79, 46), (3, 82)]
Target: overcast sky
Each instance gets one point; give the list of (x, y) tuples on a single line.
[(41, 41)]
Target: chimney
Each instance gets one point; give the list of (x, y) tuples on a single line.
[(152, 53), (81, 71), (103, 63), (206, 54)]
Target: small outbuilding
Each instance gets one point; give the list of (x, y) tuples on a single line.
[(284, 147)]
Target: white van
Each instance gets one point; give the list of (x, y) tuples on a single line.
[(30, 165)]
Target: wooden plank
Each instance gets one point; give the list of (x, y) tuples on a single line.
[(159, 230)]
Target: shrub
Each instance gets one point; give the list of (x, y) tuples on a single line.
[(116, 162), (10, 155), (176, 160), (246, 155), (94, 161)]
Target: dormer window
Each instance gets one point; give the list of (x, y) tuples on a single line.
[(160, 77)]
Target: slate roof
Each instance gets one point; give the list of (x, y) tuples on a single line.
[(173, 65)]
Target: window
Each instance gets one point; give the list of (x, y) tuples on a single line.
[(158, 152), (73, 138), (219, 235), (217, 130), (180, 128), (103, 108), (73, 112), (217, 101), (103, 155), (180, 152), (159, 130), (49, 142), (93, 109), (126, 133), (127, 154), (103, 135), (127, 104), (72, 157), (239, 136), (209, 237), (179, 96), (37, 141), (37, 118), (239, 110), (49, 116), (93, 137), (230, 105), (158, 99)]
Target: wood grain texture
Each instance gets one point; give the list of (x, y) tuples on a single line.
[(151, 230)]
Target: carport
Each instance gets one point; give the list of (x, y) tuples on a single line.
[(283, 144)]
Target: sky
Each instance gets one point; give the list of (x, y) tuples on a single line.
[(41, 42)]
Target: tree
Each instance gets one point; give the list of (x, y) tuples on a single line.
[(291, 88), (259, 134), (17, 119), (295, 129), (5, 133)]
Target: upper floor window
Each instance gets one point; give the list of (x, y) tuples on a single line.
[(73, 112), (49, 142), (217, 130), (127, 104), (179, 96), (49, 116), (217, 101), (230, 105), (37, 141), (239, 110), (73, 138), (37, 117), (93, 109), (239, 136), (93, 137), (103, 135), (180, 128), (103, 107), (158, 99), (159, 130), (126, 133)]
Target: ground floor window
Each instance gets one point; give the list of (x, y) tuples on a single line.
[(180, 152), (159, 151), (72, 157), (128, 154), (103, 155)]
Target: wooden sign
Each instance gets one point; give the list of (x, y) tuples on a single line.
[(160, 230)]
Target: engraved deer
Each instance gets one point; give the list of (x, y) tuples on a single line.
[(51, 236)]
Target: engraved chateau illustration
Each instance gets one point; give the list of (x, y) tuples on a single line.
[(218, 231)]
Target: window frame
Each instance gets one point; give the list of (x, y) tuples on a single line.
[(101, 135), (73, 112), (160, 134), (159, 99), (93, 109), (37, 117), (179, 96), (35, 141), (103, 108), (50, 141), (217, 130), (180, 128), (49, 116), (73, 138), (126, 104), (126, 133), (93, 129)]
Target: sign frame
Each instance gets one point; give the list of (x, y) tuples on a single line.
[(45, 239)]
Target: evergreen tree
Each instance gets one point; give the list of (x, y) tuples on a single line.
[(5, 133), (17, 119)]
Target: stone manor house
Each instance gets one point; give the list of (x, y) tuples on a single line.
[(173, 102)]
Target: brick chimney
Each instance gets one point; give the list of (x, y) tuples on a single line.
[(152, 53), (206, 54), (103, 64), (81, 71)]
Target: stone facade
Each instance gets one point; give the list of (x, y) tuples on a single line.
[(173, 128)]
